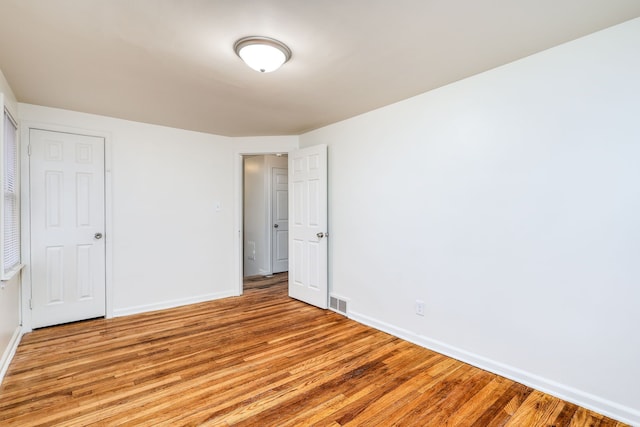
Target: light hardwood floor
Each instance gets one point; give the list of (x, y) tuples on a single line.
[(257, 360)]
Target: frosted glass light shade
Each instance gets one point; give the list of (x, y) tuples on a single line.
[(262, 57), (262, 53)]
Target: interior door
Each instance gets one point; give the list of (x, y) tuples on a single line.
[(67, 227), (308, 247), (280, 216)]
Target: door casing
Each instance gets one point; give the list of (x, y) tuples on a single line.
[(25, 196)]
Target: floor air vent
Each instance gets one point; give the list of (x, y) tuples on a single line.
[(338, 305)]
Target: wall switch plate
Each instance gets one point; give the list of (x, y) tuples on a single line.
[(420, 308)]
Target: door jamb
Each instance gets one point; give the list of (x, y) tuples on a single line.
[(25, 214)]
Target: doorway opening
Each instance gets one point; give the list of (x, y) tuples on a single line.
[(265, 236)]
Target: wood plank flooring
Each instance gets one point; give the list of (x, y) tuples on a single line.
[(261, 359)]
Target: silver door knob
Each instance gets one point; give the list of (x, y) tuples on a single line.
[(275, 225), (320, 235), (98, 236)]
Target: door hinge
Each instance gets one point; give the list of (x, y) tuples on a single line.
[(29, 150), (30, 304)]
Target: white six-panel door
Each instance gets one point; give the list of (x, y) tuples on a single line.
[(67, 227), (308, 225), (280, 217)]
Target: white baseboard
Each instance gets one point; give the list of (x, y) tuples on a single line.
[(602, 406), (9, 352), (118, 312)]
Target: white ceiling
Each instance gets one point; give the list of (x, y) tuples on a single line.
[(171, 62)]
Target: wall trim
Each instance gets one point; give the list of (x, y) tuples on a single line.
[(119, 312), (238, 180), (602, 406), (10, 351)]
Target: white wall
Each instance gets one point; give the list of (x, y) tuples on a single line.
[(9, 290), (170, 244), (265, 144), (509, 202), (9, 321), (9, 97)]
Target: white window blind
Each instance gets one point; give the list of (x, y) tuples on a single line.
[(10, 208)]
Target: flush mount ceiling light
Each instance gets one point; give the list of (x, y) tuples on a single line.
[(262, 53)]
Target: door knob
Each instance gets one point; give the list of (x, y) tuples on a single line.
[(275, 225), (98, 236), (320, 235)]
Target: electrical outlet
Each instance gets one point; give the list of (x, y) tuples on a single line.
[(420, 308)]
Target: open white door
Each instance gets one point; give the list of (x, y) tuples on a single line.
[(67, 227), (308, 225)]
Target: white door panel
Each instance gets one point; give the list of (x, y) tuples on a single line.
[(280, 215), (308, 225), (67, 224)]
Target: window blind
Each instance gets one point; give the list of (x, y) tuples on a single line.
[(11, 212)]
